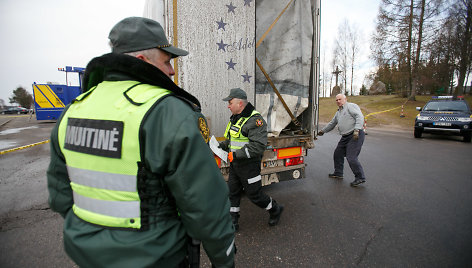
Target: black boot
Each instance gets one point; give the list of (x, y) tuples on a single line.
[(275, 213), (235, 217)]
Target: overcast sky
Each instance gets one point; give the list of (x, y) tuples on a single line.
[(359, 13), (40, 36)]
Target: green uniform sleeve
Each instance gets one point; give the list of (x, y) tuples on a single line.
[(176, 150), (60, 192), (256, 131)]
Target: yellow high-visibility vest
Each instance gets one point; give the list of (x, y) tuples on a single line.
[(99, 137), (237, 139)]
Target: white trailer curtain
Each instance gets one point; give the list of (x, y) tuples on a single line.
[(286, 54)]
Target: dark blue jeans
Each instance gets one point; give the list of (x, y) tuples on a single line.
[(349, 148)]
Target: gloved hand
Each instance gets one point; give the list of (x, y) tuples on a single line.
[(230, 157), (355, 134), (223, 146), (320, 133)]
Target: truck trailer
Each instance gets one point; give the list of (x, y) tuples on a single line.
[(268, 48)]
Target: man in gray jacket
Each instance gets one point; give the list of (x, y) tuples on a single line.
[(349, 120)]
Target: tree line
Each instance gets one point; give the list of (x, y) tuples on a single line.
[(418, 46), (21, 97)]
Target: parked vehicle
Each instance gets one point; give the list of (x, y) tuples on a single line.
[(15, 110), (444, 114), (270, 50)]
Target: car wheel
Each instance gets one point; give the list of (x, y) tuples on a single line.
[(418, 133), (467, 137)]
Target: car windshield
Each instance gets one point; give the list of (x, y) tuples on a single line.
[(458, 106)]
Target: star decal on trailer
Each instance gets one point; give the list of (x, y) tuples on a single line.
[(222, 46), (231, 64), (221, 24), (246, 77), (231, 8), (232, 47)]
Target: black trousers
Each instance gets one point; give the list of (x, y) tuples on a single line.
[(246, 177), (349, 148)]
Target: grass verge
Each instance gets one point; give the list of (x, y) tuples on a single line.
[(371, 105)]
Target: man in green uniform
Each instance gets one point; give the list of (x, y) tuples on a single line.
[(130, 170), (246, 140)]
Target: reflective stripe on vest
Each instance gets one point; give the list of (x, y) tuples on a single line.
[(237, 139), (117, 209), (99, 137), (98, 179)]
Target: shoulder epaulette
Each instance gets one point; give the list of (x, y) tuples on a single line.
[(194, 106)]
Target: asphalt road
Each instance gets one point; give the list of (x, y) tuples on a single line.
[(414, 211)]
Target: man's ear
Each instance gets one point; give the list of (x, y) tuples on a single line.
[(142, 57)]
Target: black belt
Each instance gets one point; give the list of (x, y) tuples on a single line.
[(350, 133)]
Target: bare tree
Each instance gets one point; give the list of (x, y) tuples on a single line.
[(389, 41), (325, 76), (414, 73), (463, 9), (341, 51), (400, 37), (346, 50), (354, 38)]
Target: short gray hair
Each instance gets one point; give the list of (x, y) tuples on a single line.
[(341, 95), (148, 53), (244, 101)]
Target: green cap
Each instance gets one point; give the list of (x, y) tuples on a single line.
[(236, 93), (137, 33)]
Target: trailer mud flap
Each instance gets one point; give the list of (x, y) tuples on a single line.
[(293, 174)]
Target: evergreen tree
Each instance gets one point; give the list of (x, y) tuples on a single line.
[(22, 97)]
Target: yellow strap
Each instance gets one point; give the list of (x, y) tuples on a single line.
[(273, 24), (175, 41), (294, 119), (389, 110), (23, 147)]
